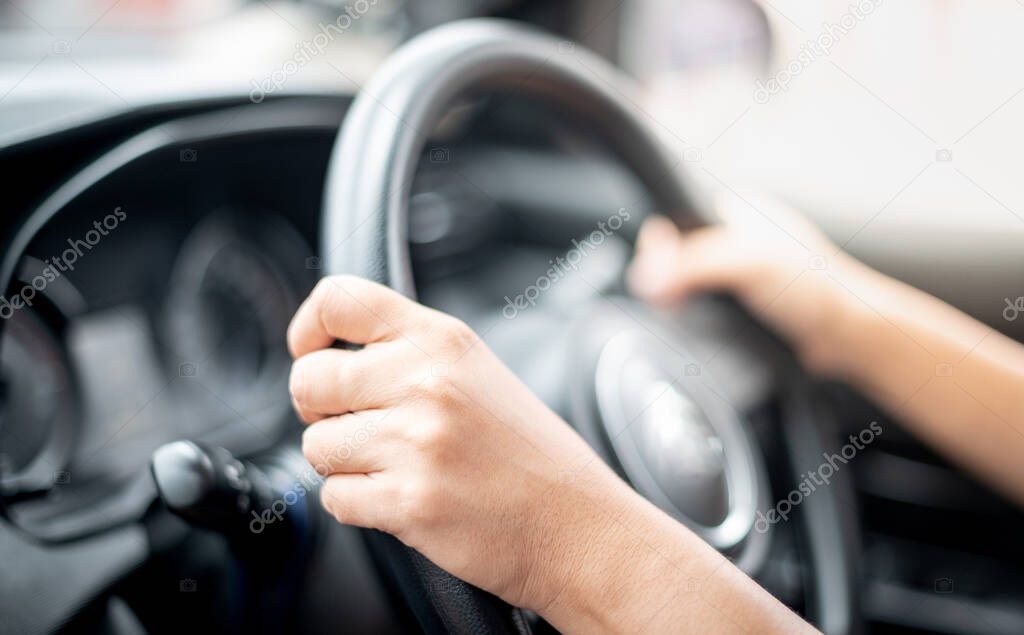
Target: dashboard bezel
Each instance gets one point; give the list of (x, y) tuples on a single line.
[(244, 124)]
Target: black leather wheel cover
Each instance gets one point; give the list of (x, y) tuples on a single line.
[(370, 176)]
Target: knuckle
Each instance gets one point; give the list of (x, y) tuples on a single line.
[(344, 280), (433, 386), (434, 442), (427, 436), (323, 291), (350, 371), (457, 336), (332, 309), (337, 288), (442, 394)]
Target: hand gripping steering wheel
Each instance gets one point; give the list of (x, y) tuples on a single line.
[(366, 207)]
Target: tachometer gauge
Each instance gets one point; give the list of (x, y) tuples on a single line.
[(232, 296), (39, 406)]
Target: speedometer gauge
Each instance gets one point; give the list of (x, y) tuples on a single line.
[(39, 406), (230, 302)]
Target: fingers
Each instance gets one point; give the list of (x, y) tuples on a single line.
[(657, 232), (358, 499), (351, 309), (331, 381), (670, 266), (305, 414), (346, 444)]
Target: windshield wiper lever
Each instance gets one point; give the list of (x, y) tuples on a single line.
[(210, 488)]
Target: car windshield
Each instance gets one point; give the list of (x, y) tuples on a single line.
[(64, 61)]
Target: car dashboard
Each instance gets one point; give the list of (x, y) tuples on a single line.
[(154, 301), (168, 248), (165, 251)]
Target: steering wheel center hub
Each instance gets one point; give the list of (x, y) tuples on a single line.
[(677, 440), (664, 439)]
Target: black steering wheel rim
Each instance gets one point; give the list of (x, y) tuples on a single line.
[(366, 208), (369, 179)]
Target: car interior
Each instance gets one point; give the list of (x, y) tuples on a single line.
[(179, 175)]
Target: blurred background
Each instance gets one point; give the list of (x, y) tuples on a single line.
[(912, 107)]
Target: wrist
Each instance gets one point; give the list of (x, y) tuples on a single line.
[(602, 575), (834, 348), (639, 570), (573, 577)]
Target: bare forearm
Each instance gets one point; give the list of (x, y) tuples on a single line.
[(644, 572), (958, 384)]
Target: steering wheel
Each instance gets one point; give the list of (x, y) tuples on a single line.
[(365, 228)]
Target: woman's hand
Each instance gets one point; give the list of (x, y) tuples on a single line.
[(425, 434), (782, 268), (953, 380)]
